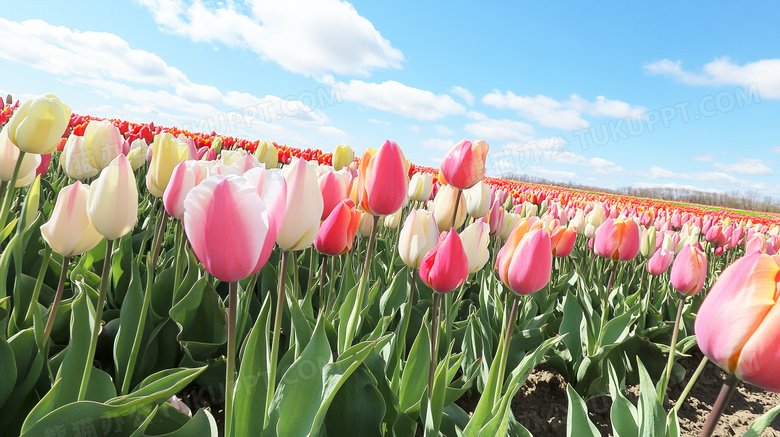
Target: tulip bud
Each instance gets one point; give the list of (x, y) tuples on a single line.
[(647, 242), (382, 182), (446, 265), (186, 176), (660, 261), (524, 263), (38, 124), (617, 239), (478, 200), (9, 155), (475, 239), (393, 220), (418, 235), (562, 241), (420, 187), (510, 220), (337, 233), (299, 229), (443, 207), (342, 156), (464, 164), (102, 143), (112, 205), (334, 187), (166, 154), (69, 231), (267, 154), (689, 270), (139, 150)]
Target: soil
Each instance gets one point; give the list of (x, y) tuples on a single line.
[(541, 404)]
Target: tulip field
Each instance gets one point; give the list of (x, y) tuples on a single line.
[(158, 282)]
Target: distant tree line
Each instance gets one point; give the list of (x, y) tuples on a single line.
[(745, 200)]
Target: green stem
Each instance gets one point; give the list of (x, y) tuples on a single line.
[(605, 304), (729, 386), (353, 324), (310, 277), (508, 336), (10, 189), (231, 356), (455, 212), (332, 280), (139, 330), (672, 351), (39, 282), (57, 299), (145, 238), (280, 296), (105, 278), (434, 341), (180, 260), (163, 221), (684, 394), (323, 266)]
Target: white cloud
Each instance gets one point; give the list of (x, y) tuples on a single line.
[(704, 158), (443, 130), (675, 185), (464, 94), (552, 149), (565, 114), (745, 166), (502, 130), (764, 74), (376, 121), (312, 37), (556, 174), (395, 97), (438, 144)]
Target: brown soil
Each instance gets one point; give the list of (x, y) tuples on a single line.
[(541, 404)]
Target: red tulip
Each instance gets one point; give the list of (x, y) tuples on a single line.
[(334, 187), (382, 181), (689, 270), (738, 324), (337, 232), (445, 266), (617, 239), (464, 164)]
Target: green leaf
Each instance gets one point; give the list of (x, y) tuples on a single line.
[(397, 293), (759, 425), (577, 422), (414, 378), (91, 418), (72, 369), (201, 424), (130, 327), (158, 387), (302, 330), (357, 408), (249, 407), (202, 321), (623, 414), (652, 417), (8, 364)]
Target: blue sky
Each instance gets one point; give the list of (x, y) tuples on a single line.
[(615, 94)]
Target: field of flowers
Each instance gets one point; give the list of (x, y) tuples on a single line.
[(314, 293)]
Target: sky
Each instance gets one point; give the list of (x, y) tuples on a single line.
[(614, 94)]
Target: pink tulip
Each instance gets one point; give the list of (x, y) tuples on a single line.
[(337, 232), (229, 225), (524, 264), (445, 266), (689, 270), (382, 182), (617, 239), (562, 241), (334, 187), (186, 176), (738, 324), (660, 261), (464, 164), (496, 217)]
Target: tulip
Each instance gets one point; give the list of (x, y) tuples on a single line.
[(166, 154), (69, 231), (420, 187), (689, 271), (112, 204), (233, 252), (647, 242), (186, 176), (478, 200), (418, 236), (464, 164), (524, 263), (75, 159), (267, 154), (334, 187), (496, 217), (562, 241), (508, 225), (475, 239), (300, 228), (342, 156), (443, 208), (37, 125), (366, 225), (43, 168), (9, 155), (446, 265), (382, 181), (337, 233), (393, 220), (737, 326), (660, 261), (139, 150), (102, 143), (617, 239), (578, 222)]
